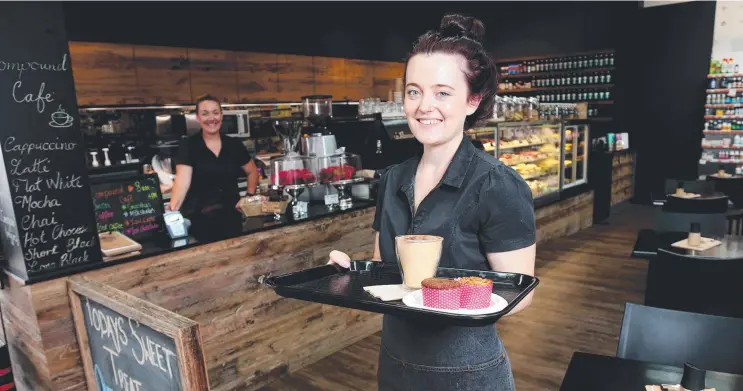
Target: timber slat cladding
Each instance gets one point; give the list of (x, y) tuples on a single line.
[(213, 72), (136, 74), (359, 79), (330, 77), (104, 73), (163, 74), (257, 77), (296, 77), (385, 74)]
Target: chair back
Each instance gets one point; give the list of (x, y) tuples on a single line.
[(735, 223), (732, 187), (673, 337), (712, 224), (694, 284), (715, 204)]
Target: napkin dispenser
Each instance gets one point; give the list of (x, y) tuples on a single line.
[(176, 224)]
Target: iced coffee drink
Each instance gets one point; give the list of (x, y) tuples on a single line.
[(418, 256)]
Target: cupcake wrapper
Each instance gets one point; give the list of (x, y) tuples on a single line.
[(447, 299), (476, 296)]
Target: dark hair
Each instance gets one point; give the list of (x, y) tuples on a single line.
[(208, 98), (463, 35)]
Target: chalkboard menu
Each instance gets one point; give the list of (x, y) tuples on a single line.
[(128, 355), (46, 212), (133, 207), (128, 343)]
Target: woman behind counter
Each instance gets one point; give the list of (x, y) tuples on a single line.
[(482, 208), (208, 166)]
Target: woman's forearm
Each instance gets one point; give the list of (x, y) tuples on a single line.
[(180, 187)]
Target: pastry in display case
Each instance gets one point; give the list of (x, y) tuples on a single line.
[(575, 171), (533, 150), (485, 136)]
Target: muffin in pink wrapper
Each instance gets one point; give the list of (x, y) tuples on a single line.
[(441, 293), (476, 292)]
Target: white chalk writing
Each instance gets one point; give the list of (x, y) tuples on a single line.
[(34, 66), (41, 98), (27, 148)]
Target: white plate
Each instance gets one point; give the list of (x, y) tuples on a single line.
[(415, 300)]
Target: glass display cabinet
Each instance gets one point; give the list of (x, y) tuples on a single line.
[(484, 136), (575, 156), (533, 150), (551, 156)]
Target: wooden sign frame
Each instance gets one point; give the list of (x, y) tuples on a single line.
[(184, 332)]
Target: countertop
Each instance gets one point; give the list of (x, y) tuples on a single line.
[(160, 243)]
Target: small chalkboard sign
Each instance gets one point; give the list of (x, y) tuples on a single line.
[(131, 344), (132, 206)]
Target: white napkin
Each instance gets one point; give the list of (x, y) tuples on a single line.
[(388, 292)]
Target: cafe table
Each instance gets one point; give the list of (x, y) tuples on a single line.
[(649, 241), (592, 372)]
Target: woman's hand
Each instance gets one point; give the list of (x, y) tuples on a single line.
[(340, 258)]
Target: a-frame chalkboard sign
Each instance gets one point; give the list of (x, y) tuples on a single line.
[(127, 343)]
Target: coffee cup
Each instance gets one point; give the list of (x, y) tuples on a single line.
[(418, 257), (695, 235)]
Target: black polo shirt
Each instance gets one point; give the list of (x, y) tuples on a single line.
[(480, 206), (214, 179)]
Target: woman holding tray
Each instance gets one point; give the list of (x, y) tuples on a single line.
[(482, 208)]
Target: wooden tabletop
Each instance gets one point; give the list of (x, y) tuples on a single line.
[(591, 372)]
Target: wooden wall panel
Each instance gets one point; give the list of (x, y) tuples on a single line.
[(359, 75), (104, 73), (163, 74), (330, 78), (257, 77), (296, 77), (213, 72), (111, 74), (565, 218), (385, 74)]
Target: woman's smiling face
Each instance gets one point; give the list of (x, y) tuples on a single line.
[(209, 115), (437, 97)]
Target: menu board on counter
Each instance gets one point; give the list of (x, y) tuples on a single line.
[(45, 206), (127, 343), (133, 206)]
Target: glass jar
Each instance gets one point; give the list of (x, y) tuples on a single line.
[(532, 109), (292, 170), (337, 168), (499, 109)]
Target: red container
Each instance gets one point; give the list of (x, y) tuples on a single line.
[(475, 293)]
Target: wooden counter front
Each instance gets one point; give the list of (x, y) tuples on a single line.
[(250, 335)]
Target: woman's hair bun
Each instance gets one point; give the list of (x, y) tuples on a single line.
[(455, 25)]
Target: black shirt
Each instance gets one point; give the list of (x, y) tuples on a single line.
[(214, 179), (480, 206)]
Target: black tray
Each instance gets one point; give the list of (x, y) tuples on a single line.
[(334, 285)]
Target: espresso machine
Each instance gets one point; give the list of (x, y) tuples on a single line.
[(317, 141)]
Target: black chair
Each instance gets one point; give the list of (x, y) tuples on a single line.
[(735, 223), (693, 284), (732, 187), (673, 337), (712, 224), (713, 204)]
